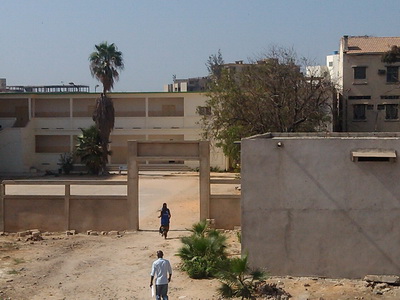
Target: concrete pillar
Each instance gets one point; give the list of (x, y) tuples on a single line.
[(133, 186), (2, 195), (204, 153), (67, 206)]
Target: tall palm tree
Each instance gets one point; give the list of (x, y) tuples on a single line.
[(105, 63)]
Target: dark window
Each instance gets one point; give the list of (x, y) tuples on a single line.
[(390, 97), (359, 97), (359, 112), (392, 111), (392, 74), (360, 72), (204, 110), (370, 107), (374, 159)]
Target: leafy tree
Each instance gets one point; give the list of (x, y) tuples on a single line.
[(90, 150), (203, 252), (267, 95), (392, 56), (215, 64), (238, 280), (105, 63)]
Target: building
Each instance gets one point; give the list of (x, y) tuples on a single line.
[(196, 84), (369, 88), (37, 127), (321, 204)]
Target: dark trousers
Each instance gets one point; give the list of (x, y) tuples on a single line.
[(161, 292)]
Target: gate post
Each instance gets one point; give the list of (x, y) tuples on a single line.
[(204, 157), (133, 186), (2, 200)]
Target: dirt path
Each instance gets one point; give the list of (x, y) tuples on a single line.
[(117, 267)]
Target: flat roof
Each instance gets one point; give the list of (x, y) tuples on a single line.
[(325, 135)]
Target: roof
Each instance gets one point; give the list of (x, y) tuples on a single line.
[(369, 44)]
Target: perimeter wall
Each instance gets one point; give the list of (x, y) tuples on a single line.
[(308, 209)]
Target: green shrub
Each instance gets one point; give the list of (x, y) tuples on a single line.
[(66, 162), (203, 252), (89, 149), (238, 280)]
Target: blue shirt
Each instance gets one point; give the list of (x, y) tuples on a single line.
[(165, 217)]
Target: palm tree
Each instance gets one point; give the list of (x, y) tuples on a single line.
[(105, 63)]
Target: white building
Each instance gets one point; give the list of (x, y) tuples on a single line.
[(37, 127)]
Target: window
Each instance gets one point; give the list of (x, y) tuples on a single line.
[(204, 110), (392, 74), (391, 97), (359, 112), (359, 97), (360, 72), (392, 111), (373, 155)]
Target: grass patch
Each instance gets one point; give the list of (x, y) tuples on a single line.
[(13, 272), (18, 261), (8, 246)]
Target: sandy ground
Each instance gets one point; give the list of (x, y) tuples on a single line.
[(117, 266)]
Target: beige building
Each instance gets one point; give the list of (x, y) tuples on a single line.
[(369, 87), (37, 127)]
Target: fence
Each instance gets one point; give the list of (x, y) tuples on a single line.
[(62, 212)]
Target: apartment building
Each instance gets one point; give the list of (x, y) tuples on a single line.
[(37, 127), (369, 88)]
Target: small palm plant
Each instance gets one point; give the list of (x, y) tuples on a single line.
[(67, 162), (238, 280), (203, 252), (90, 150)]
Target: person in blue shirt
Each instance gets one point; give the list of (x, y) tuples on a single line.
[(165, 216)]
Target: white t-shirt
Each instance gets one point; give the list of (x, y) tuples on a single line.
[(161, 268)]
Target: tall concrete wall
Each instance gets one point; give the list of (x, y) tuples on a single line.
[(308, 209)]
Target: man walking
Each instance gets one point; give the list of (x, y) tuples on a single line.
[(161, 268)]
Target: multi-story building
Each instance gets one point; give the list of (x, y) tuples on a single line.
[(196, 84), (37, 127), (369, 88)]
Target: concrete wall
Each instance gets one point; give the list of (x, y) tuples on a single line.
[(62, 212), (308, 209), (225, 211)]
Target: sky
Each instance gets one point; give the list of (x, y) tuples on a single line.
[(48, 42)]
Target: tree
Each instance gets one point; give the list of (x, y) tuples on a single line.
[(89, 149), (105, 63), (269, 94), (215, 64), (392, 56)]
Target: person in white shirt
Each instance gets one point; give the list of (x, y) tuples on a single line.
[(161, 268)]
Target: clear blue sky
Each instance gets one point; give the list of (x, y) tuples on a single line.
[(48, 42)]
